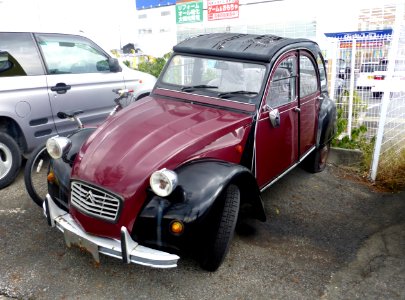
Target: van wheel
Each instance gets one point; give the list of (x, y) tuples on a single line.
[(217, 247), (10, 160), (316, 161)]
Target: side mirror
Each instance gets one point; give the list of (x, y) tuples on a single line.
[(274, 116), (114, 65)]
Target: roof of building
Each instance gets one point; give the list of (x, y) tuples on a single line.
[(239, 46)]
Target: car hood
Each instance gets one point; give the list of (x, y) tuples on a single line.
[(154, 133)]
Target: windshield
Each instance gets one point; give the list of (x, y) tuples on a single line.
[(236, 81)]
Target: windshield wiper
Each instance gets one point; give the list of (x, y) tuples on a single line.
[(200, 86), (226, 94)]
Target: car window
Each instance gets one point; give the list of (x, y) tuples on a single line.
[(71, 55), (215, 77), (19, 55), (282, 85), (322, 73), (308, 78), (9, 66)]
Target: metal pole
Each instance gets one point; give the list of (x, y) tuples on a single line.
[(386, 96), (335, 44), (351, 94)]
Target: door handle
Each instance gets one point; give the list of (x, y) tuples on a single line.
[(60, 88), (297, 109)]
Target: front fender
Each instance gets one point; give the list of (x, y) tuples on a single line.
[(77, 138), (59, 189), (195, 202)]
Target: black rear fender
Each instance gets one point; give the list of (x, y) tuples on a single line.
[(326, 121)]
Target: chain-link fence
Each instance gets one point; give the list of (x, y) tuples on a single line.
[(367, 80)]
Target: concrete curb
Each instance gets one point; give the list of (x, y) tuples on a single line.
[(345, 157)]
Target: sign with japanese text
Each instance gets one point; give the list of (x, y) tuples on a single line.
[(382, 34), (362, 44), (222, 9), (189, 12)]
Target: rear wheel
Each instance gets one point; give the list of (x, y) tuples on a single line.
[(217, 250), (10, 160), (316, 161), (35, 175)]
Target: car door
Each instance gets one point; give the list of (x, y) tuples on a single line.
[(277, 135), (308, 101), (79, 78), (23, 89)]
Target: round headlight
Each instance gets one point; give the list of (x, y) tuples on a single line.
[(57, 146), (163, 182)]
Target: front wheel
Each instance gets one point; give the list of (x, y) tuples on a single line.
[(35, 175), (316, 161), (10, 160), (216, 252)]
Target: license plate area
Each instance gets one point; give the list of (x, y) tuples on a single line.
[(72, 239)]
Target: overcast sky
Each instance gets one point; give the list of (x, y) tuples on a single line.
[(104, 21), (113, 23)]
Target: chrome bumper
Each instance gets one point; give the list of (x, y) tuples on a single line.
[(126, 249)]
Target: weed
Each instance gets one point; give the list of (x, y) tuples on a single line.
[(391, 170)]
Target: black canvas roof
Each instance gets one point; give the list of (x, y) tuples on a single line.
[(234, 45)]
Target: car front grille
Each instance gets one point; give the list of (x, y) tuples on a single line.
[(94, 201)]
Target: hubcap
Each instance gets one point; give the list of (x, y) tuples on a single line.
[(6, 160)]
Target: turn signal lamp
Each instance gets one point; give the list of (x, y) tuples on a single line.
[(51, 177), (177, 227)]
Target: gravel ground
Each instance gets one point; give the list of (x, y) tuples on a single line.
[(328, 236)]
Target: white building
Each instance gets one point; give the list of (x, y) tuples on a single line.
[(157, 30), (151, 24)]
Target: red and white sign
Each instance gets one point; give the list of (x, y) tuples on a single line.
[(222, 9)]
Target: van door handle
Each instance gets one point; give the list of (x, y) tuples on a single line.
[(60, 88)]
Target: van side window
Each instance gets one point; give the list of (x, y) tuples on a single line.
[(18, 55), (71, 55)]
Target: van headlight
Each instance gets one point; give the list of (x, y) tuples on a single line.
[(58, 146), (163, 182)]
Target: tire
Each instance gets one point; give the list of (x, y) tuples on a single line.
[(217, 250), (10, 160), (35, 175), (316, 161)]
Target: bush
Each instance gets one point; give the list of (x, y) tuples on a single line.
[(154, 66)]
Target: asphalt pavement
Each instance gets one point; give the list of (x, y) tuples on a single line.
[(328, 236)]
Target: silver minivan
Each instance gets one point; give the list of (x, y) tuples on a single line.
[(44, 73)]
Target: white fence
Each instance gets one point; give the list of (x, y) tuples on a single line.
[(367, 81)]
